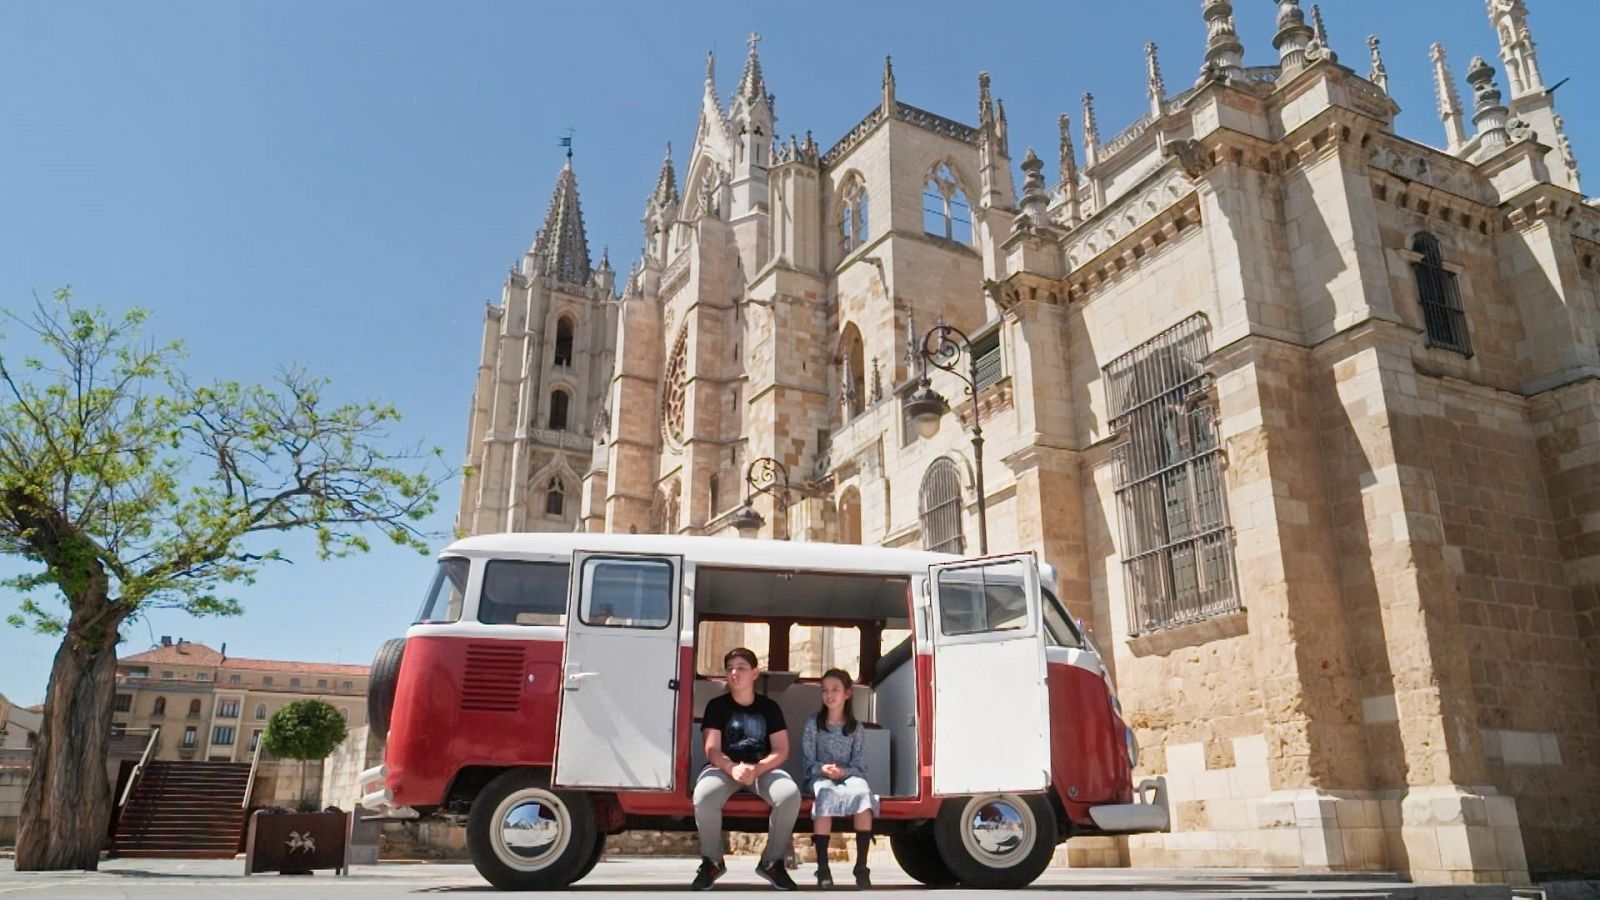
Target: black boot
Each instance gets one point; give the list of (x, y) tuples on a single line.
[(863, 847), (824, 876)]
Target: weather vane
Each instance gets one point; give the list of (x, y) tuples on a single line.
[(567, 140)]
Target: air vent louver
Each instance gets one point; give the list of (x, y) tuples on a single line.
[(493, 679)]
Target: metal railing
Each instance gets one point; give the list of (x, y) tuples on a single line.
[(139, 767), (250, 783)]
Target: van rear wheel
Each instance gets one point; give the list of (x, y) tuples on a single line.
[(524, 836), (594, 857), (996, 840), (918, 855)]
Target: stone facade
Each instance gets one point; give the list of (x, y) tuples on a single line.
[(210, 706), (1305, 414)]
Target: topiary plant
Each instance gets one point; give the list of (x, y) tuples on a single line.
[(304, 730)]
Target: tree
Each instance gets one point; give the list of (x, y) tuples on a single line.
[(128, 487), (303, 730)]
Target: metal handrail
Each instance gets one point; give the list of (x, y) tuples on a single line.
[(139, 767), (250, 785)]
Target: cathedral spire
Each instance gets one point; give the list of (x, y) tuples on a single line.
[(561, 248), (1319, 48), (752, 87), (1489, 113), (666, 192), (985, 103), (1091, 132), (1224, 53), (1069, 172), (1157, 85), (1379, 75), (888, 87), (1509, 19), (1444, 88), (1293, 37)]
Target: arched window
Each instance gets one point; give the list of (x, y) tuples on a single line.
[(852, 214), (564, 342), (852, 373), (558, 410), (945, 210), (261, 710), (1440, 297), (555, 498), (194, 709), (160, 707), (850, 517), (939, 506)]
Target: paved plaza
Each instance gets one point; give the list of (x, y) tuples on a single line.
[(179, 879)]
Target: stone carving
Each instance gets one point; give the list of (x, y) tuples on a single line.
[(1193, 159)]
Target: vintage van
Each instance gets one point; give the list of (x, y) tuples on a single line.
[(551, 688)]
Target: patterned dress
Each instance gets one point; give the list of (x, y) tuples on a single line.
[(818, 747)]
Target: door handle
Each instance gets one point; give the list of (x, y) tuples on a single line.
[(672, 684), (575, 677)]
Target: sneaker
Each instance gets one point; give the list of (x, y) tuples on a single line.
[(824, 879), (863, 877), (776, 875), (709, 872)]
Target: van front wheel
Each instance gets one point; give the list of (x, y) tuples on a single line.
[(996, 841), (524, 836)]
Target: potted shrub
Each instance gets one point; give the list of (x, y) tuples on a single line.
[(299, 842)]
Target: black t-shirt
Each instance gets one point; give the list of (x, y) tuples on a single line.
[(746, 730)]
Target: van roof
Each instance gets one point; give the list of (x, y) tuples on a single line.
[(715, 551)]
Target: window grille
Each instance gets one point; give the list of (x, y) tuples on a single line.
[(987, 352), (124, 703), (940, 506), (1440, 297), (1177, 544)]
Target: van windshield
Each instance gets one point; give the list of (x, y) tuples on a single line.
[(1058, 625), (445, 596)]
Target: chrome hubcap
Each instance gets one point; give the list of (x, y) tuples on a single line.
[(531, 829), (998, 830)]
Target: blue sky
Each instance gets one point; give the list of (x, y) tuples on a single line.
[(344, 184)]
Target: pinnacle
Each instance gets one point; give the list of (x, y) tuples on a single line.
[(752, 87), (561, 244)]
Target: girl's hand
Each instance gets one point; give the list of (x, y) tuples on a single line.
[(832, 771)]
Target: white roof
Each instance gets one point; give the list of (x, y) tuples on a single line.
[(714, 551)]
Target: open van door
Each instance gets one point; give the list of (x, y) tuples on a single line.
[(991, 704), (619, 697)]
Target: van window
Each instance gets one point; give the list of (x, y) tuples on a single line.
[(443, 603), (982, 599), (1058, 628), (524, 593), (715, 638), (627, 593), (814, 649)]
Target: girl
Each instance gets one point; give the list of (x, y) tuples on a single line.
[(834, 750)]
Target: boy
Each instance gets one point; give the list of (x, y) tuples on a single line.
[(746, 743)]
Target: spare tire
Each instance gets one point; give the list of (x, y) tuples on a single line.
[(381, 684)]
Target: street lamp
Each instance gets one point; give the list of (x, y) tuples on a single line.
[(764, 476), (943, 347)]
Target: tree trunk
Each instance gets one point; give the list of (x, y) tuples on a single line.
[(67, 805)]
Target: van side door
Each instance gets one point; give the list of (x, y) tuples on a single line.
[(619, 697), (991, 702)]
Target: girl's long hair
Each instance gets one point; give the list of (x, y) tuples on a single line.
[(850, 723)]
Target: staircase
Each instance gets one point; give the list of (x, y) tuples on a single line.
[(189, 810)]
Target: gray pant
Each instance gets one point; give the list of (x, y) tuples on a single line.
[(713, 789)]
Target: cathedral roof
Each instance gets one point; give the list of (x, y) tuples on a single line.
[(561, 244)]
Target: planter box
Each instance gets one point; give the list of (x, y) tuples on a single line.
[(294, 843)]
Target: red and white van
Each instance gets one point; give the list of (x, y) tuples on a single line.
[(549, 692)]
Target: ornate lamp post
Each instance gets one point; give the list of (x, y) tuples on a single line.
[(763, 476), (943, 347)]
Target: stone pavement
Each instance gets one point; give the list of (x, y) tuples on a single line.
[(180, 879)]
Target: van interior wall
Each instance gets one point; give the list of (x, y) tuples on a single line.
[(887, 706)]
